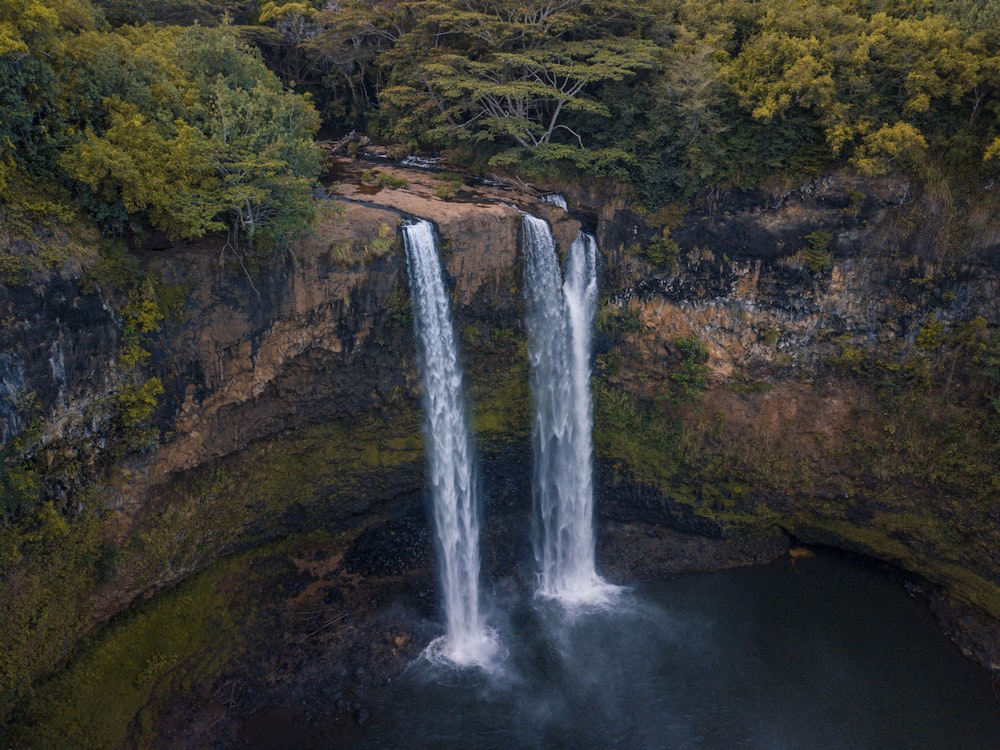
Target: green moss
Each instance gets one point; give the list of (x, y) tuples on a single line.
[(241, 498), (163, 646), (502, 404), (168, 643), (111, 691), (613, 320), (49, 575), (637, 435), (53, 561)]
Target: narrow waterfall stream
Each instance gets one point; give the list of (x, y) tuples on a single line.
[(450, 456), (559, 317)]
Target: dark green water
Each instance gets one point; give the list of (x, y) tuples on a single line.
[(820, 653)]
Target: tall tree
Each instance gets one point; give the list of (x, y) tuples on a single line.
[(185, 129), (515, 72)]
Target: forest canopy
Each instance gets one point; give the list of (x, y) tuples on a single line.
[(671, 95), (192, 116), (179, 129)]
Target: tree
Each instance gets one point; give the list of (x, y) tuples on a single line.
[(200, 136), (680, 141), (149, 166), (28, 31), (851, 72), (512, 72), (294, 24), (899, 146)]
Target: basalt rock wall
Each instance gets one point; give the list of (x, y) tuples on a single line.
[(793, 295)]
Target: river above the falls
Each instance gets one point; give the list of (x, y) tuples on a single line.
[(807, 654)]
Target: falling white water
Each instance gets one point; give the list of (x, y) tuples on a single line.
[(559, 316), (467, 640), (555, 199)]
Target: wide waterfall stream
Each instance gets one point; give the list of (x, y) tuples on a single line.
[(811, 654), (559, 317)]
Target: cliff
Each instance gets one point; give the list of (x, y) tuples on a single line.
[(813, 360)]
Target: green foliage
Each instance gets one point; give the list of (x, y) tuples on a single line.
[(383, 179), (175, 12), (816, 253), (179, 637), (897, 147), (637, 435), (663, 249), (135, 405), (178, 129), (451, 183), (931, 334), (470, 334), (20, 483), (852, 360), (485, 72), (141, 316), (384, 241), (48, 575), (690, 377), (674, 96)]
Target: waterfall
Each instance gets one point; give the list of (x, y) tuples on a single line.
[(450, 457), (555, 199), (559, 316)]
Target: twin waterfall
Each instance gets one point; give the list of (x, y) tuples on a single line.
[(559, 318)]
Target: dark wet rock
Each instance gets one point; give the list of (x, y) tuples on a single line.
[(629, 553), (390, 550)]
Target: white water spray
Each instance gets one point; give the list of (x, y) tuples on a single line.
[(559, 316), (467, 642)]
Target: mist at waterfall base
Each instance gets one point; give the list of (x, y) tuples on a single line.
[(467, 640), (812, 654)]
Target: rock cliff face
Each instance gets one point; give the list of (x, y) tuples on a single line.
[(57, 343), (292, 397), (328, 335), (833, 323)]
